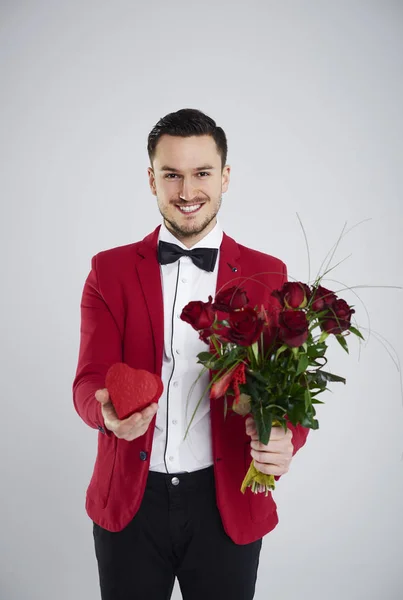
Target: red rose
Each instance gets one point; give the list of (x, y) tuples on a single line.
[(322, 298), (204, 334), (293, 294), (245, 326), (232, 298), (199, 314), (220, 331), (338, 317), (293, 326)]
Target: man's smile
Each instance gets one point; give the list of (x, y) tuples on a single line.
[(189, 208)]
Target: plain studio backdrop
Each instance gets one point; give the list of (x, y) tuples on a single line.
[(310, 96)]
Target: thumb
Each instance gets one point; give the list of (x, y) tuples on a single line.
[(102, 395)]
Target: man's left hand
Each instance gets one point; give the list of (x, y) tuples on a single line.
[(275, 457)]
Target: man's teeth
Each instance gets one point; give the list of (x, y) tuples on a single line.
[(190, 208)]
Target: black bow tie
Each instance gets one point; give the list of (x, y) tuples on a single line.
[(204, 258)]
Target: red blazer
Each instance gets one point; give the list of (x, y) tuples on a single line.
[(122, 321)]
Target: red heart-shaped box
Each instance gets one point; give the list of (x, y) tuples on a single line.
[(131, 390)]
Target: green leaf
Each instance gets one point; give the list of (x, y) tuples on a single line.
[(255, 351), (281, 350), (330, 376), (257, 375), (233, 357), (356, 332), (302, 364), (307, 399), (323, 337), (296, 413), (205, 356), (263, 420), (317, 350), (342, 341)]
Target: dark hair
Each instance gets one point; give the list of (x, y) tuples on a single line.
[(185, 123)]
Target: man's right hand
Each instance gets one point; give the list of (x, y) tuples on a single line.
[(128, 429)]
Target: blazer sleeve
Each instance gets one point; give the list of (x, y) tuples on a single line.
[(299, 433), (100, 347)]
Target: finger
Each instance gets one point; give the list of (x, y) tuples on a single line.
[(252, 431), (110, 416), (142, 416), (256, 445), (102, 395), (134, 420), (149, 412), (112, 422), (279, 433), (272, 458), (109, 411), (269, 469)]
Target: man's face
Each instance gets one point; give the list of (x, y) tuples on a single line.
[(187, 173)]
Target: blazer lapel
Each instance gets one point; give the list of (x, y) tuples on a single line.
[(229, 268), (149, 272)]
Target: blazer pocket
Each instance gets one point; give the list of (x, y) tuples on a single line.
[(99, 487), (260, 506)]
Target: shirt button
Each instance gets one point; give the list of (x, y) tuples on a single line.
[(174, 421), (171, 458), (175, 383), (177, 351), (184, 280)]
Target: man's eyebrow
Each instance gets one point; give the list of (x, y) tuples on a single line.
[(202, 168)]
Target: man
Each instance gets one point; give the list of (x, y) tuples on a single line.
[(164, 507)]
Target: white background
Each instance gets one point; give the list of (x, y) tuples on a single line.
[(310, 95)]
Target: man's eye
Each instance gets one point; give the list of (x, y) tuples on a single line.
[(170, 175)]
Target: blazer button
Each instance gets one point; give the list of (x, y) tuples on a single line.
[(101, 429), (143, 455)]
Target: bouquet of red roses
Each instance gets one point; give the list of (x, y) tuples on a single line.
[(271, 360)]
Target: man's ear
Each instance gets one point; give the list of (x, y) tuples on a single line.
[(151, 180), (225, 178)]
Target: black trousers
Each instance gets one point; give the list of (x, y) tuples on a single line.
[(177, 532)]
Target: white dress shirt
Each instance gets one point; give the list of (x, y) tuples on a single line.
[(183, 282)]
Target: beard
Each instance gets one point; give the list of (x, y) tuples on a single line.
[(191, 229)]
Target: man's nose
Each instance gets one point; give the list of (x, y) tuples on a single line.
[(187, 191)]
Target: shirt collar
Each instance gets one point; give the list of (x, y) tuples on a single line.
[(212, 240)]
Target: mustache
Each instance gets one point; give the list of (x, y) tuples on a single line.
[(182, 202)]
